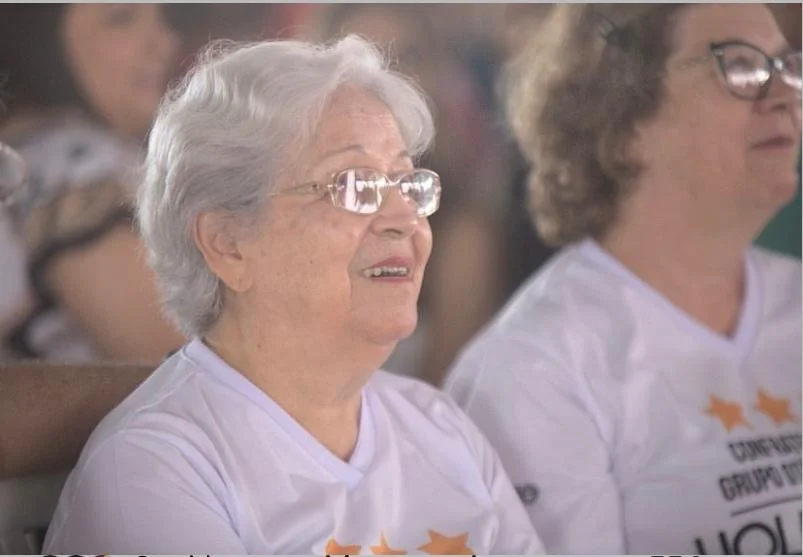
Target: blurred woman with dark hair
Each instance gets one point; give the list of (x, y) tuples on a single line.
[(83, 82)]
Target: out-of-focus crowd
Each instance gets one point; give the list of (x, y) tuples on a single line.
[(246, 225), (74, 285)]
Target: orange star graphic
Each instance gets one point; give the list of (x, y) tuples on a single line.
[(334, 548), (445, 545), (384, 549), (776, 408), (729, 413)]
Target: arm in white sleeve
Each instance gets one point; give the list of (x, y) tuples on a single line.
[(138, 494), (516, 534), (539, 418)]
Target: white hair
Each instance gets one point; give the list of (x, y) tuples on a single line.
[(222, 137)]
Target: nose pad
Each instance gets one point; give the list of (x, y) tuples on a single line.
[(784, 83), (779, 95), (395, 194)]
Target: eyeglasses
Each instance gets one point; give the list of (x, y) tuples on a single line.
[(362, 190), (748, 71), (13, 173)]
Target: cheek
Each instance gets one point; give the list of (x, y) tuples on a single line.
[(341, 237), (721, 137), (325, 243), (101, 68), (720, 121), (708, 130), (422, 242)]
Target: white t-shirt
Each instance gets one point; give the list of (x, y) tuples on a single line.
[(199, 460), (628, 427)]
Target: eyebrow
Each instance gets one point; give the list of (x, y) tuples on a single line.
[(783, 49), (403, 154)]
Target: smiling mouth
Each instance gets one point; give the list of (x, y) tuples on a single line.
[(386, 272)]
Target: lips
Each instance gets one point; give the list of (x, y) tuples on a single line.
[(775, 142), (395, 262)]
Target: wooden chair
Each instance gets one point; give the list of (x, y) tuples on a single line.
[(47, 413)]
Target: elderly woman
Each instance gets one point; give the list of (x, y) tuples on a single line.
[(643, 389), (288, 227)]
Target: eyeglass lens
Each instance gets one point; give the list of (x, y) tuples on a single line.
[(748, 71), (362, 190)]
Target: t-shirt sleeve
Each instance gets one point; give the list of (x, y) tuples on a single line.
[(516, 534), (538, 417), (139, 494)]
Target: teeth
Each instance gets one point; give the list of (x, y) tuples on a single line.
[(375, 272)]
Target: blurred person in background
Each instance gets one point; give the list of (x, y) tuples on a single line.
[(49, 438), (82, 84), (527, 251), (13, 173), (38, 438), (466, 279), (643, 388), (287, 223)]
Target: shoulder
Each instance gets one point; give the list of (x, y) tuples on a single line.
[(572, 289), (66, 152), (79, 183), (153, 453), (420, 410), (780, 279), (563, 309), (403, 393), (429, 419), (777, 268), (560, 339), (67, 139), (165, 407), (160, 441)]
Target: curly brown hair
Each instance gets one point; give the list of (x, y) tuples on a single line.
[(576, 92)]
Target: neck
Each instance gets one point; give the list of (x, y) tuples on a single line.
[(317, 381), (690, 261)]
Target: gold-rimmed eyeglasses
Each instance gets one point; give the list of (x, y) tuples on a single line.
[(362, 190)]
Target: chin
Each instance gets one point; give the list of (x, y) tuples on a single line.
[(391, 330), (781, 192), (145, 107)]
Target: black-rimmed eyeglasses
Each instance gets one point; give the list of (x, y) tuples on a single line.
[(747, 71)]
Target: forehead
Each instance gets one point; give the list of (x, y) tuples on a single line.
[(357, 117), (699, 25)]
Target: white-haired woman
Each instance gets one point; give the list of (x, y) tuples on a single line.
[(287, 225)]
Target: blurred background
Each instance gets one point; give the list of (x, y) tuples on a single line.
[(484, 243)]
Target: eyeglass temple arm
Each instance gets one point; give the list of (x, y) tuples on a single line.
[(304, 189)]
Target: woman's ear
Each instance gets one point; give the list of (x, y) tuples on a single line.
[(221, 248)]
